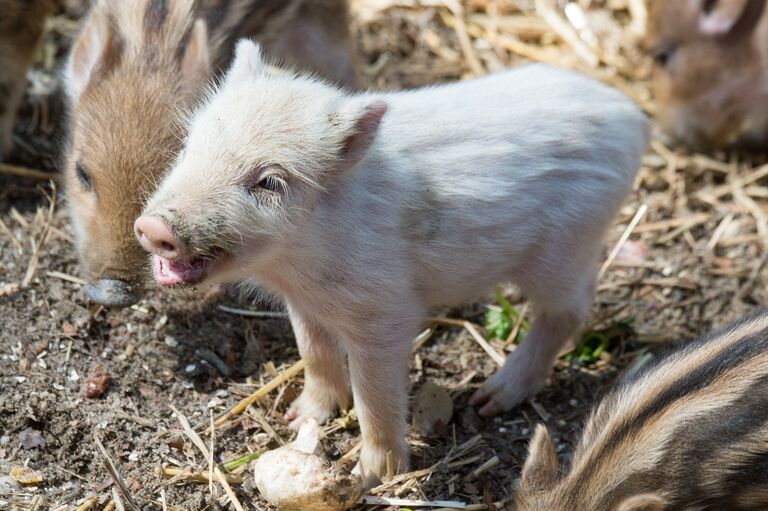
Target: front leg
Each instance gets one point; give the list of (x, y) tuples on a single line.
[(326, 382), (378, 365)]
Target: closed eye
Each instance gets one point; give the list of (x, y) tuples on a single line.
[(83, 176), (662, 55)]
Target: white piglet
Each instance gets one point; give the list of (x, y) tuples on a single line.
[(362, 211)]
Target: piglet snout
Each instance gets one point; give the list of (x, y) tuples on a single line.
[(157, 237), (111, 292)]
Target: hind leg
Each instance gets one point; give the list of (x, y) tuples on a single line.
[(525, 371)]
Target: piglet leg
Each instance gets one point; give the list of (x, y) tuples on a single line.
[(526, 369), (379, 373), (326, 382)]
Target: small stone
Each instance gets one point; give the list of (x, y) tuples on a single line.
[(32, 439), (215, 402), (171, 341), (97, 382)]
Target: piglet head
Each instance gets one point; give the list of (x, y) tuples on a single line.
[(541, 488), (124, 107), (710, 70), (261, 153)]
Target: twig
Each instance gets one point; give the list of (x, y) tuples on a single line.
[(485, 467), (115, 475), (371, 500), (263, 391), (464, 40), (469, 327), (624, 237), (518, 324), (560, 25), (186, 474), (16, 170), (252, 314), (350, 454), (495, 355), (228, 489), (191, 433), (10, 235), (662, 225), (67, 277), (210, 458), (117, 499), (727, 188), (42, 240), (88, 504)]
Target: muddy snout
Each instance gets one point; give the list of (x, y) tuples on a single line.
[(112, 292), (156, 237)]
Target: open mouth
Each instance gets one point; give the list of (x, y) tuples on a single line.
[(174, 272)]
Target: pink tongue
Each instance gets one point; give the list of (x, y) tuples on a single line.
[(169, 273)]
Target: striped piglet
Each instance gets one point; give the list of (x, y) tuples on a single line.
[(689, 434)]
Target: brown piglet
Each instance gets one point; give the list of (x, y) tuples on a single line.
[(710, 71), (688, 434), (135, 70)]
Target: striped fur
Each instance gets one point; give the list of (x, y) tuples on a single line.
[(137, 68), (689, 434)]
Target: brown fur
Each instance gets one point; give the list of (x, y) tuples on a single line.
[(21, 27), (137, 68), (708, 87), (690, 434)]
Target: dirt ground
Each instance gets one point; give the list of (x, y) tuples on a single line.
[(694, 259)]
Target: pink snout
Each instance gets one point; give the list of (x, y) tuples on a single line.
[(156, 237)]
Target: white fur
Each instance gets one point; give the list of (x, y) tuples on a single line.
[(515, 176)]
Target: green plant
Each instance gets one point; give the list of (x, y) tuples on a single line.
[(500, 322), (594, 343)]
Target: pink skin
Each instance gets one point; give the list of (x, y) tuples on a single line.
[(170, 265), (361, 221)]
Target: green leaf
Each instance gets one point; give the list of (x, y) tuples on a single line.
[(229, 466), (594, 343), (499, 323)]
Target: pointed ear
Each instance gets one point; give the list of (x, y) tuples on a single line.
[(95, 52), (196, 62), (645, 502), (540, 469), (728, 17), (365, 123), (248, 62)]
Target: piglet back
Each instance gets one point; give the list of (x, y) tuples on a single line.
[(694, 428)]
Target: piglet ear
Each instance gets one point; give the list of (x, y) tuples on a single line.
[(365, 124), (728, 17), (96, 51), (645, 502), (248, 62), (540, 469), (196, 62)]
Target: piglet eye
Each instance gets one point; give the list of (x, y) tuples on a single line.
[(267, 181), (270, 183), (83, 176), (662, 56)]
